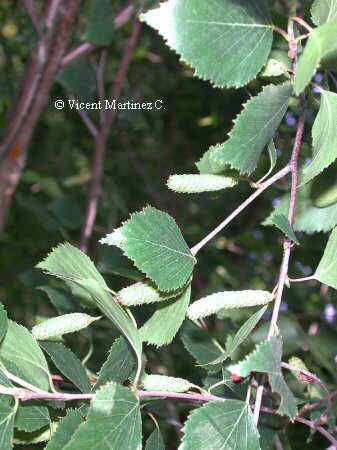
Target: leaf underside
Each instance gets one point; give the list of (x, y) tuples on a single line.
[(282, 223)]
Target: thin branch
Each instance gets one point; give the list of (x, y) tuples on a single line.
[(303, 23), (300, 280), (331, 75), (86, 119), (30, 7), (100, 80), (83, 49), (282, 173), (281, 32), (102, 137), (322, 430), (287, 245)]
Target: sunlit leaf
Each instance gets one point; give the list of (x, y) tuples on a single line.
[(323, 11), (65, 430), (31, 416), (253, 129), (153, 240), (321, 43), (267, 358), (326, 271), (155, 441), (226, 42), (161, 328), (195, 184), (26, 360), (7, 416), (324, 137), (113, 422), (241, 335), (221, 425)]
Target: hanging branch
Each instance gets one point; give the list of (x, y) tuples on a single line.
[(102, 137)]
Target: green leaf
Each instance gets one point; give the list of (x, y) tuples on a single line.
[(35, 437), (165, 383), (195, 184), (68, 364), (272, 158), (78, 78), (7, 416), (65, 430), (321, 43), (200, 345), (113, 422), (227, 300), (308, 218), (61, 299), (226, 42), (69, 263), (282, 223), (57, 326), (326, 271), (3, 322), (278, 64), (153, 241), (228, 425), (155, 441), (143, 293), (32, 416), (324, 137), (100, 28), (267, 358), (119, 364), (161, 328), (241, 335), (22, 356), (323, 11), (253, 130)]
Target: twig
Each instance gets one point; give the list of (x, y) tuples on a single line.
[(322, 430), (100, 80), (333, 78), (86, 119), (303, 23), (281, 32), (282, 173), (300, 280), (287, 244), (30, 7), (83, 49), (101, 139)]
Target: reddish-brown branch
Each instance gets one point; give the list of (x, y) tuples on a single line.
[(32, 98), (102, 137)]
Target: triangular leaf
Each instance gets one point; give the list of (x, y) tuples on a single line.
[(228, 425), (227, 300), (32, 416), (26, 360), (226, 42), (69, 263), (100, 28), (326, 271), (323, 11), (155, 441), (282, 223), (7, 416), (118, 365), (152, 239), (65, 430), (113, 422), (321, 43), (253, 130), (267, 358), (3, 322), (324, 137), (308, 218), (68, 364), (161, 328), (200, 345), (241, 335)]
